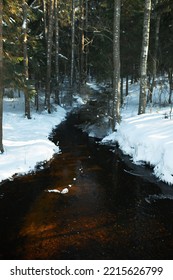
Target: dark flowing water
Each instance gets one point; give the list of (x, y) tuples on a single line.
[(107, 213)]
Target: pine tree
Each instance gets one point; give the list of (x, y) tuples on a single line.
[(72, 44), (144, 57), (13, 44), (157, 17), (131, 36), (49, 55), (1, 79), (25, 60), (57, 51), (45, 18), (116, 63)]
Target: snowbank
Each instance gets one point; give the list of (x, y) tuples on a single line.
[(26, 141), (146, 138)]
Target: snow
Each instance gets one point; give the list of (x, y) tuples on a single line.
[(64, 191), (62, 56), (26, 141), (147, 138), (53, 191), (24, 25), (78, 100), (93, 85)]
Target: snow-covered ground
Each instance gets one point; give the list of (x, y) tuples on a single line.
[(26, 141), (147, 138)]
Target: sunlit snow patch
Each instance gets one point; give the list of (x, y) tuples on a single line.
[(64, 191), (156, 197), (54, 190)]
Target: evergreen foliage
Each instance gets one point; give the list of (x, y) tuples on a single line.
[(93, 42)]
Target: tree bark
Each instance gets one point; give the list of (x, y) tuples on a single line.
[(157, 18), (170, 73), (1, 81), (49, 56), (155, 58), (86, 38), (116, 64), (127, 85), (122, 91), (25, 60), (45, 18), (72, 44), (57, 50), (81, 44), (144, 57)]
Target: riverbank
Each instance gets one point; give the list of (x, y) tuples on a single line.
[(147, 138), (26, 142)]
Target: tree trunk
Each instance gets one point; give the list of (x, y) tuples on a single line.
[(57, 50), (45, 18), (72, 44), (86, 38), (37, 96), (116, 64), (170, 85), (144, 57), (49, 55), (155, 53), (122, 97), (25, 60), (81, 44), (127, 85), (1, 80)]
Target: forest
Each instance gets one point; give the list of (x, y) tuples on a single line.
[(52, 45), (86, 138)]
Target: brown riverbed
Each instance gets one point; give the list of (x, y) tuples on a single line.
[(107, 213)]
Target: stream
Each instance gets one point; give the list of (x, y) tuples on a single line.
[(109, 210)]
